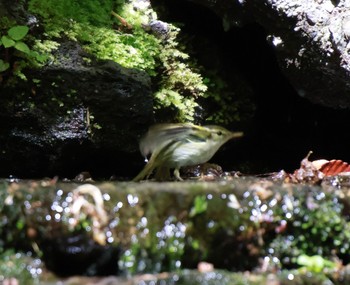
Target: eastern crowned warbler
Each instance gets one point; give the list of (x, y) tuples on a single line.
[(178, 145)]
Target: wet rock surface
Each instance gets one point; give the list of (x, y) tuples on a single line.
[(76, 115), (238, 224)]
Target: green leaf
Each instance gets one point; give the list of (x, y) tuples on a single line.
[(7, 42), (18, 32), (40, 57), (20, 224), (21, 46), (3, 65), (200, 206)]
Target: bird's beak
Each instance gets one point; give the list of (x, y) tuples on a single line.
[(235, 135)]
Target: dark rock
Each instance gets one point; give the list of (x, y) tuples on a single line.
[(159, 28), (77, 255), (310, 41), (74, 116)]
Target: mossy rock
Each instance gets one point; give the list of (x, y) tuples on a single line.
[(155, 227)]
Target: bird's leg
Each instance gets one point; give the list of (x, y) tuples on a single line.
[(177, 174), (162, 173)]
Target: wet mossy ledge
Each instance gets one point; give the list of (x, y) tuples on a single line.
[(119, 228)]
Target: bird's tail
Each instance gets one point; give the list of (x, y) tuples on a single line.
[(146, 171)]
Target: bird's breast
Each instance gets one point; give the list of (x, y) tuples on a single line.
[(192, 154)]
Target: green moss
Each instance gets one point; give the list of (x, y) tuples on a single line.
[(19, 266), (6, 23), (316, 226), (118, 30), (115, 30), (163, 227), (225, 102), (180, 86), (92, 24), (92, 12)]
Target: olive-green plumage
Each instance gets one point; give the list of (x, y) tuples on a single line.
[(178, 145)]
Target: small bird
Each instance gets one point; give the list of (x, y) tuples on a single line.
[(173, 146)]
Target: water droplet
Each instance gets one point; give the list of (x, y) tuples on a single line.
[(27, 204), (275, 259), (69, 199), (106, 197), (210, 224), (273, 202), (59, 209), (320, 196), (255, 213), (132, 200), (263, 208), (143, 221), (176, 277)]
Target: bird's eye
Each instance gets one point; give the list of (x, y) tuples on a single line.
[(219, 133)]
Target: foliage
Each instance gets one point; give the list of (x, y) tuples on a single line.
[(16, 53), (18, 266), (156, 246), (136, 50), (91, 12), (10, 218), (126, 39), (184, 108), (224, 105), (164, 230), (315, 263), (92, 25), (180, 85), (13, 39), (200, 206), (316, 227), (130, 44)]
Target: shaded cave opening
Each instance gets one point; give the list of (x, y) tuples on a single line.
[(284, 126)]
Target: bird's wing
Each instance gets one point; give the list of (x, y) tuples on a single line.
[(161, 134)]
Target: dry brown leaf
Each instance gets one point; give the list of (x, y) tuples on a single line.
[(334, 166)]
